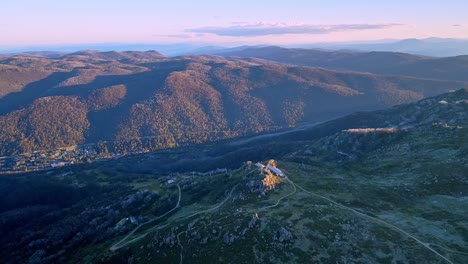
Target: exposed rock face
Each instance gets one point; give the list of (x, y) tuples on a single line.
[(170, 240), (229, 238), (255, 186), (253, 221), (283, 235), (195, 235), (204, 241)]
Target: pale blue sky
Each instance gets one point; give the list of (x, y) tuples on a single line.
[(37, 22)]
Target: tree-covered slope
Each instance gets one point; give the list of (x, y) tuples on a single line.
[(378, 62), (145, 101)]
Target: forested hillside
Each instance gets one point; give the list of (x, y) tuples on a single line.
[(378, 62), (146, 101)]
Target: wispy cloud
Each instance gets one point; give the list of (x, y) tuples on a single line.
[(262, 29), (457, 25), (182, 36)]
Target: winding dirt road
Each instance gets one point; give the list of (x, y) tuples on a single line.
[(211, 209), (279, 200), (424, 244), (121, 243)]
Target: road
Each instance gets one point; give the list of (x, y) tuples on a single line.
[(211, 209), (424, 244), (181, 253), (197, 213), (279, 200), (279, 133), (121, 243)]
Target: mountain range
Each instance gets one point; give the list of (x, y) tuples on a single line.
[(387, 63), (145, 100), (437, 47)]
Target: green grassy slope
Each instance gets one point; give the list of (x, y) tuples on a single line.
[(378, 187)]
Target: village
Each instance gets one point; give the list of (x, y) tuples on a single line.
[(50, 159)]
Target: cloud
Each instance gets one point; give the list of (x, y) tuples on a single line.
[(457, 25), (262, 29), (181, 36)]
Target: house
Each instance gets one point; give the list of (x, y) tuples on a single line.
[(343, 154), (121, 222), (57, 164), (276, 171), (133, 220), (261, 166)]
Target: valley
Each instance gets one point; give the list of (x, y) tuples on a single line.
[(199, 132), (134, 102), (353, 191)]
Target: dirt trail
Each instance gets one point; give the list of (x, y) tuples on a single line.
[(120, 244), (279, 200), (424, 244), (211, 209)]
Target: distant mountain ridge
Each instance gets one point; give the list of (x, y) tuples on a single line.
[(438, 47), (144, 100), (114, 55), (388, 63)]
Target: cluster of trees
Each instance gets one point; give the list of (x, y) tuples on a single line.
[(49, 123), (107, 97), (198, 105), (270, 181)]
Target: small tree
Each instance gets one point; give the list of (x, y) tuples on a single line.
[(270, 181), (272, 163)]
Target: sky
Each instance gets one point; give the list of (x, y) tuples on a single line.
[(218, 22)]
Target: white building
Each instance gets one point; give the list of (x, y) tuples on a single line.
[(261, 166), (276, 171)]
